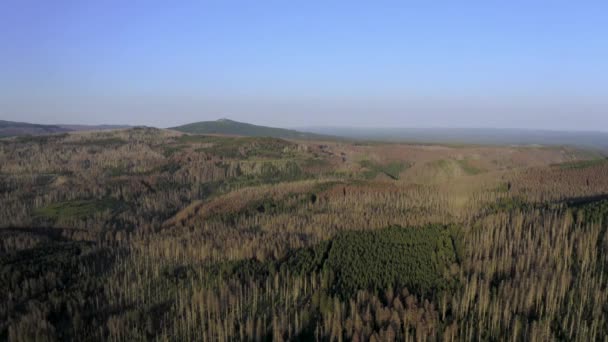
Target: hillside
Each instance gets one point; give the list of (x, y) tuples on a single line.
[(75, 128), (151, 234), (12, 128), (230, 127)]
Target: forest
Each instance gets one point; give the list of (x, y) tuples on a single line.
[(159, 235)]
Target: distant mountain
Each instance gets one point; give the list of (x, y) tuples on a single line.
[(482, 136), (11, 128), (229, 127), (94, 127)]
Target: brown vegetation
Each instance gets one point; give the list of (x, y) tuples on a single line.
[(151, 234)]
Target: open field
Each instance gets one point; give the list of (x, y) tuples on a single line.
[(149, 234)]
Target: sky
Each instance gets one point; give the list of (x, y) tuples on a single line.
[(504, 64)]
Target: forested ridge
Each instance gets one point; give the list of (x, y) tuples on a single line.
[(147, 234)]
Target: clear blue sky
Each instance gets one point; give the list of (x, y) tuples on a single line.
[(527, 64)]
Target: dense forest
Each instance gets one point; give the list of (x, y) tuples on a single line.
[(148, 234)]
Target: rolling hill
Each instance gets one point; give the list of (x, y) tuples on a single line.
[(230, 127), (12, 128), (483, 136), (150, 234)]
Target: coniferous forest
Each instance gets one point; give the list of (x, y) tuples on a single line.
[(157, 235)]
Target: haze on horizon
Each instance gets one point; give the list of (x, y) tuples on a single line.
[(288, 64)]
